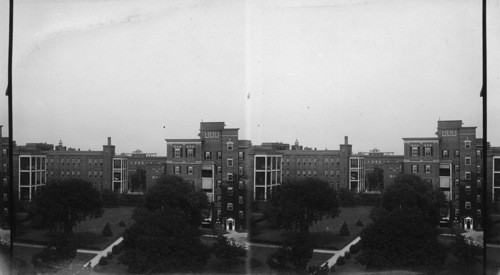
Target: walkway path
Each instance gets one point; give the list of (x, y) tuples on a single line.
[(339, 253), (42, 246), (241, 239), (100, 254)]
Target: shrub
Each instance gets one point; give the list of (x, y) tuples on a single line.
[(59, 249), (354, 249), (344, 230), (107, 230), (341, 260), (359, 223), (103, 261), (110, 255), (347, 255), (121, 224), (117, 248)]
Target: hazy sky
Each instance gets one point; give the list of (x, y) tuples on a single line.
[(315, 71)]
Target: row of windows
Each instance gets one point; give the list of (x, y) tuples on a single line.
[(189, 170), (136, 162), (77, 174), (208, 155), (230, 208), (309, 161), (75, 161)]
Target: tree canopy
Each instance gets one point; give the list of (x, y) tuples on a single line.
[(293, 255), (62, 204), (138, 179), (375, 178), (297, 205), (165, 236), (229, 253), (411, 192), (401, 239)]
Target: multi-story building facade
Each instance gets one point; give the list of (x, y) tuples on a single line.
[(38, 163), (4, 185), (216, 164), (452, 163), (153, 166), (390, 164), (493, 178), (338, 167)]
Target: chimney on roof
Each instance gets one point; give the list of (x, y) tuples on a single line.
[(109, 140), (345, 140)]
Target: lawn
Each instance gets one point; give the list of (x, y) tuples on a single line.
[(23, 255), (87, 234), (324, 234), (261, 254)]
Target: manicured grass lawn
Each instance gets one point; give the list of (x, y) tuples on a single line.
[(324, 234), (24, 255), (261, 254), (87, 234)]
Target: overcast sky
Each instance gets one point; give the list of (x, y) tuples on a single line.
[(315, 71)]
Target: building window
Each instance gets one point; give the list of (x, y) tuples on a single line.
[(240, 170), (414, 169), (229, 176), (240, 214), (177, 170), (478, 183), (89, 174), (219, 155), (467, 175), (478, 212), (177, 152), (230, 191), (218, 198), (95, 174), (240, 184), (230, 162), (73, 174), (467, 144), (90, 162), (240, 199), (67, 173), (457, 168), (298, 173), (457, 153), (457, 212), (229, 145), (308, 173), (219, 183), (208, 155), (230, 207), (190, 153), (414, 151), (478, 198), (467, 161), (219, 169), (219, 213), (427, 151), (467, 205), (457, 197), (241, 155), (298, 161), (309, 161), (326, 173), (445, 153), (303, 173), (428, 169), (457, 182), (100, 160), (478, 153), (190, 170), (467, 190), (478, 169)]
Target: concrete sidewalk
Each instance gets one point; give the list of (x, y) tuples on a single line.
[(333, 260), (101, 254)]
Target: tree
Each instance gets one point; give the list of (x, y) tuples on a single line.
[(401, 239), (60, 205), (106, 231), (375, 178), (138, 180), (466, 251), (346, 196), (165, 237), (58, 249), (297, 205), (344, 230), (229, 253), (411, 192), (294, 254)]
